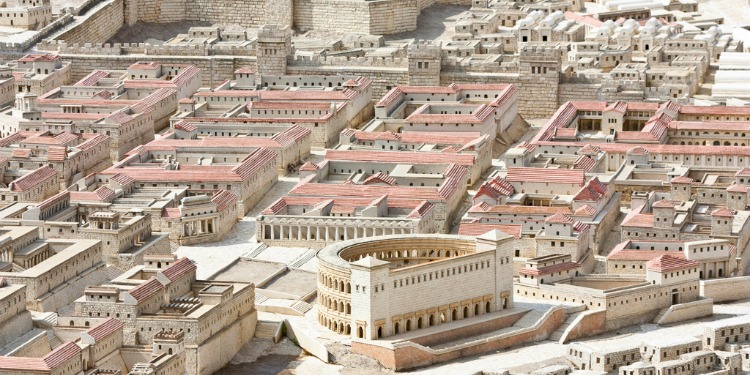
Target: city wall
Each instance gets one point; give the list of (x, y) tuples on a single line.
[(252, 13), (726, 290), (97, 26)]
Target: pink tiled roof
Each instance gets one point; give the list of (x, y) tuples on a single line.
[(223, 199), (722, 212), (33, 179), (478, 229), (367, 156), (105, 328), (144, 291), (421, 210), (564, 176), (178, 269), (61, 354), (559, 218), (559, 267), (666, 263), (663, 203), (380, 178)]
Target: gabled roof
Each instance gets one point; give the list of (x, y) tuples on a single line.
[(663, 203), (737, 188), (105, 328), (380, 177), (722, 212), (667, 263), (181, 267), (144, 291), (559, 218), (682, 180)]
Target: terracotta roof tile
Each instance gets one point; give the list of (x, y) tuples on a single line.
[(144, 291), (61, 354), (178, 269), (105, 328), (33, 179), (666, 263)]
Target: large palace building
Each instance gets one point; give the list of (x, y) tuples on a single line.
[(383, 286)]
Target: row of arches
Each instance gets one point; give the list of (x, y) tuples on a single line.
[(336, 305), (335, 283), (406, 254)]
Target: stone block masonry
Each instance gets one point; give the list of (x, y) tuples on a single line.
[(246, 13), (98, 25)]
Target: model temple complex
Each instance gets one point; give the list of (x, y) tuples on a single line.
[(546, 187)]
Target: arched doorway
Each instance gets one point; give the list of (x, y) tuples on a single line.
[(380, 332), (721, 272), (408, 325), (466, 312), (361, 332), (488, 307), (710, 274), (675, 296), (419, 323), (396, 328), (431, 320), (454, 315), (476, 309)]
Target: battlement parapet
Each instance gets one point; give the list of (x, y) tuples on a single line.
[(116, 49), (40, 34), (317, 60)]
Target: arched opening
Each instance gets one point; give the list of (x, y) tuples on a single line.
[(701, 275), (721, 272), (361, 332), (442, 318), (717, 143), (487, 307), (170, 351), (348, 329), (431, 321), (396, 328), (466, 312), (86, 324), (408, 325), (476, 309), (419, 323), (72, 323), (710, 274), (675, 297), (454, 315), (380, 332)]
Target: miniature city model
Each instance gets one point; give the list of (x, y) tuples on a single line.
[(540, 187)]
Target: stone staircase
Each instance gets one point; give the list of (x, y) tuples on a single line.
[(267, 330), (572, 313), (301, 306), (54, 341), (259, 298), (44, 320), (660, 315), (112, 272), (304, 258), (256, 251)]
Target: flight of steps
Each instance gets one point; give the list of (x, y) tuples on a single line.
[(259, 298), (267, 329), (571, 314), (302, 306), (304, 258), (256, 252), (54, 341), (660, 315), (44, 320)]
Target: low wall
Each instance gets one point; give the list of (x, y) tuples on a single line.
[(306, 342), (406, 354), (726, 290), (688, 311)]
